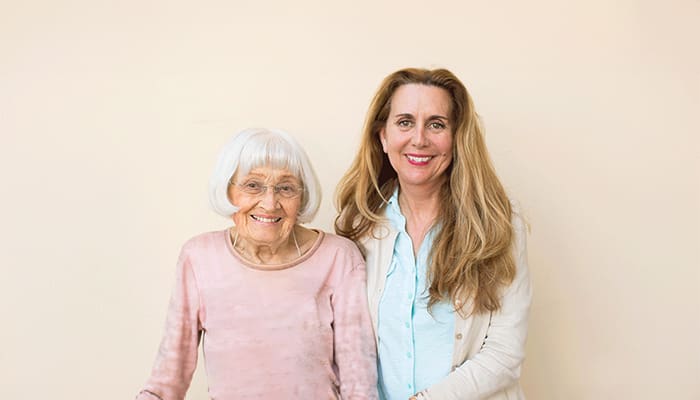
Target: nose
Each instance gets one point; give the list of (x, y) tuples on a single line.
[(419, 137), (269, 199)]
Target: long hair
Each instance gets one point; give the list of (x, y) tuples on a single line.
[(471, 256)]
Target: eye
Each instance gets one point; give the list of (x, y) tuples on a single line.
[(252, 186), (436, 125), (404, 123), (286, 189)]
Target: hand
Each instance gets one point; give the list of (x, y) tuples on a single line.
[(417, 396)]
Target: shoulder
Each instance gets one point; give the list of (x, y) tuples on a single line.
[(340, 254), (343, 261), (518, 222), (205, 241), (519, 247), (515, 206), (203, 254), (336, 243), (381, 236)]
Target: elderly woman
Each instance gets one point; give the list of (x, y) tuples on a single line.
[(281, 309), (448, 283)]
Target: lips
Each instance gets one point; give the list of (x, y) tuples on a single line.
[(265, 219), (418, 159)]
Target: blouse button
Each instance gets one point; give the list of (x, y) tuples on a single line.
[(458, 336)]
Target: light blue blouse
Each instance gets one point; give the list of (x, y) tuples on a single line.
[(415, 347)]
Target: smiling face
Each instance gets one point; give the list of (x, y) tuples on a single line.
[(267, 218), (417, 136)]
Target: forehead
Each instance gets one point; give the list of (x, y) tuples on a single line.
[(269, 174), (419, 99)]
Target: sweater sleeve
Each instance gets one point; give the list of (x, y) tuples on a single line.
[(177, 356), (355, 349), (497, 365)]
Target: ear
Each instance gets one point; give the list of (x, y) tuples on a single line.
[(382, 138)]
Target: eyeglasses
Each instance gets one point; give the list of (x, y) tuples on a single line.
[(257, 188)]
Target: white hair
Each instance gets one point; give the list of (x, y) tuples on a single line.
[(258, 147)]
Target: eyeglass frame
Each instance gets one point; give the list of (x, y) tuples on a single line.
[(275, 189)]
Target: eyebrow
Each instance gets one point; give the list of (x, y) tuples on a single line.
[(266, 177), (409, 115), (404, 115)]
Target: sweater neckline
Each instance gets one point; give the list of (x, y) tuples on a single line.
[(272, 267)]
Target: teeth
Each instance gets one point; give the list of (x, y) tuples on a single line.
[(263, 219), (419, 159)]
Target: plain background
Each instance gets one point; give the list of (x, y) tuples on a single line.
[(112, 113)]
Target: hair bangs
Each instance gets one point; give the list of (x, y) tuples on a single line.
[(270, 151)]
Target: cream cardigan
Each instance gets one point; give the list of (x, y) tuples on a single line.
[(488, 348)]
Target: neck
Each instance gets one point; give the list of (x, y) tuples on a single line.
[(420, 207), (268, 253)]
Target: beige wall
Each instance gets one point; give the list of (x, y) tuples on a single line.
[(111, 114)]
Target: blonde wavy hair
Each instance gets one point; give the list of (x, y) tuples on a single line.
[(471, 256)]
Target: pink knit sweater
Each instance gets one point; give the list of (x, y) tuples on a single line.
[(295, 331)]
